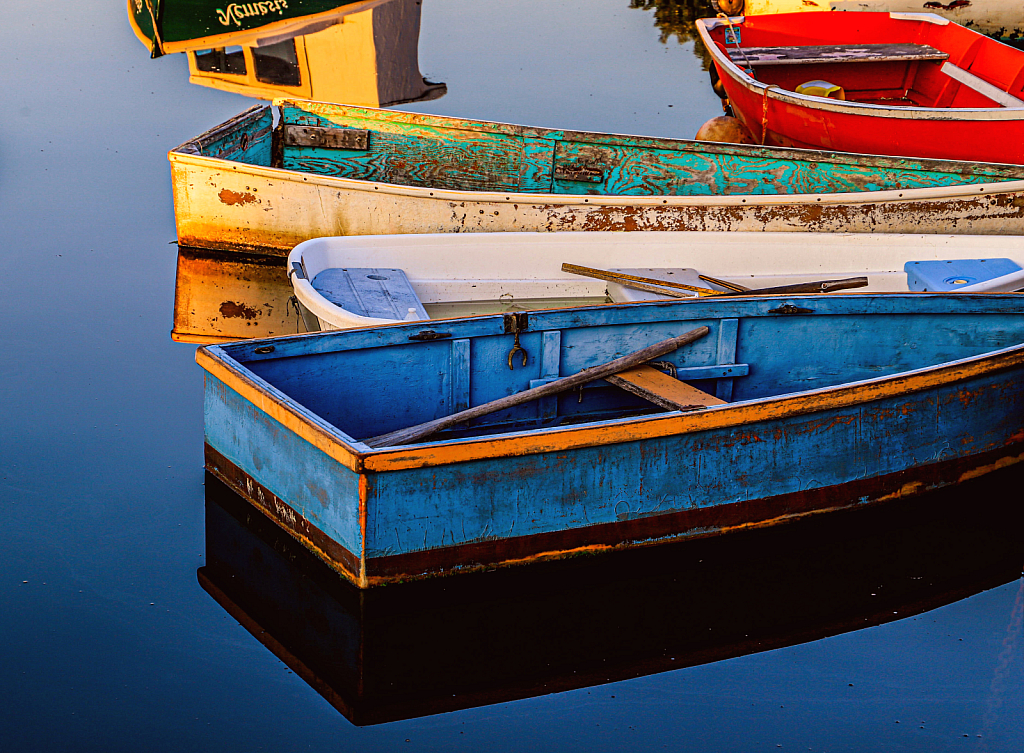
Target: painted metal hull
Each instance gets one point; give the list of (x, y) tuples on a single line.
[(833, 402), (932, 117), (231, 194)]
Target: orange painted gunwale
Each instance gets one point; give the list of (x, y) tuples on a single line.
[(325, 438)]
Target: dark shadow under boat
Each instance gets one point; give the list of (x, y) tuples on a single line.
[(440, 645)]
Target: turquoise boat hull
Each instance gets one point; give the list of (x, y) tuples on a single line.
[(338, 170), (829, 403)]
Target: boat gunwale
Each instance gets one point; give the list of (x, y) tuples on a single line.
[(386, 118), (895, 195), (914, 112), (359, 457)]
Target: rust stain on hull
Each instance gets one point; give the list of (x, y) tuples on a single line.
[(235, 198)]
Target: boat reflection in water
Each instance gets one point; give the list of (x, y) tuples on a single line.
[(360, 53), (219, 297), (428, 647)]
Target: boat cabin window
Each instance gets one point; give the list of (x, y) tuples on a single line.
[(277, 64), (221, 60)]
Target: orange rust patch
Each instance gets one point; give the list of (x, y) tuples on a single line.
[(234, 198)]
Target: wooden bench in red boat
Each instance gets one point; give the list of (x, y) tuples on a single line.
[(754, 57), (834, 53)]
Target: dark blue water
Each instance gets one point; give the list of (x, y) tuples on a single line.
[(108, 641)]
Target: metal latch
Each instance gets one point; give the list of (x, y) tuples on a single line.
[(579, 172), (789, 308), (326, 138), (429, 334)]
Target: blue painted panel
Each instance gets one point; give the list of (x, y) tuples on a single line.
[(415, 510), (356, 390), (793, 353), (318, 487), (680, 313)]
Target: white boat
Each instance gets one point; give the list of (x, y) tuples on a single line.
[(356, 281)]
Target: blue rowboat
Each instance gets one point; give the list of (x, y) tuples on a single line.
[(781, 408), (328, 170)]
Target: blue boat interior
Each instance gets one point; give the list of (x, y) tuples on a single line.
[(372, 381), (449, 153)]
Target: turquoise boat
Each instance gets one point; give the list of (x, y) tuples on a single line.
[(757, 410), (327, 170)]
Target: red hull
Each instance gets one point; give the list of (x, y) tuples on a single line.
[(897, 107)]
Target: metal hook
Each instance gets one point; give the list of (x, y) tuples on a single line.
[(665, 366), (516, 346)]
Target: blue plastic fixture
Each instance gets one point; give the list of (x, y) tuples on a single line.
[(944, 276)]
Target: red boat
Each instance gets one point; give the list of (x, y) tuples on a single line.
[(901, 84)]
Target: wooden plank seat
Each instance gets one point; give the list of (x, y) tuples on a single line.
[(833, 53), (662, 390), (381, 293)]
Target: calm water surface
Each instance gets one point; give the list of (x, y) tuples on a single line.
[(108, 640)]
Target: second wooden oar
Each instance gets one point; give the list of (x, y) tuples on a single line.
[(647, 284), (736, 287), (414, 433), (820, 286)]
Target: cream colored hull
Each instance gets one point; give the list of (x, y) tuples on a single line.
[(270, 210)]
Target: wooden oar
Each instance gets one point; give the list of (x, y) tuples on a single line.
[(821, 286), (414, 433), (735, 287), (647, 284)]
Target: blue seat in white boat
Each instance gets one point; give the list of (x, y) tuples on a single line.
[(369, 291), (975, 275)]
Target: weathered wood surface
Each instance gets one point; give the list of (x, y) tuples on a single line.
[(451, 153), (838, 382), (245, 139), (414, 433), (834, 53), (662, 389), (647, 184), (647, 284), (820, 286)]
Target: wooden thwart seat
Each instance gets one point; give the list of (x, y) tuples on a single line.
[(662, 389), (834, 53)]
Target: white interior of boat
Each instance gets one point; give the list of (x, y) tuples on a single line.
[(466, 274)]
